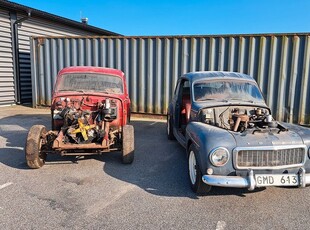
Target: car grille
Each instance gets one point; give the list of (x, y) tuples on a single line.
[(271, 158)]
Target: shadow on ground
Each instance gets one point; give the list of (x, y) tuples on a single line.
[(13, 133), (160, 165)]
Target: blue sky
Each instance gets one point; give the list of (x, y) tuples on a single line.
[(184, 17)]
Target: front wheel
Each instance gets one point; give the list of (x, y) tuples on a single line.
[(35, 140), (128, 144), (195, 175)]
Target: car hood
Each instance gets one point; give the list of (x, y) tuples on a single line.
[(267, 138)]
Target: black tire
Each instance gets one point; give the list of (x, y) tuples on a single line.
[(170, 128), (34, 158), (128, 142), (194, 173)]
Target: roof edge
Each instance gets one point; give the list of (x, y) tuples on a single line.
[(12, 6)]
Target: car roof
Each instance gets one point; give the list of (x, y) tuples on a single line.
[(91, 69), (212, 75)]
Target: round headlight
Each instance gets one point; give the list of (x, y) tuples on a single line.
[(219, 156)]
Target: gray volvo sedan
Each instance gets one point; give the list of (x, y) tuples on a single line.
[(231, 137)]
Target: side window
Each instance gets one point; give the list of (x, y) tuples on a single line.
[(186, 84), (177, 88), (185, 89), (182, 90), (185, 102)]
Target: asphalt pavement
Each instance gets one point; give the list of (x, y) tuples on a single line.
[(99, 192)]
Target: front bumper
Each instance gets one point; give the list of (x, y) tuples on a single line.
[(248, 181)]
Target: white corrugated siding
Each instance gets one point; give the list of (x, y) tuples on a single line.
[(7, 95), (37, 27)]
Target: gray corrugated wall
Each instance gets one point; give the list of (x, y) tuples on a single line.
[(7, 91), (34, 26), (279, 63)]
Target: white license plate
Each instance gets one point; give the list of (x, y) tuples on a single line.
[(263, 180)]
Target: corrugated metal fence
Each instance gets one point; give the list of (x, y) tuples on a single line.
[(279, 63)]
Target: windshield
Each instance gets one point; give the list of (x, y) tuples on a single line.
[(227, 90), (90, 82)]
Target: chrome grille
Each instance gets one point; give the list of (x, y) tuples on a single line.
[(270, 158)]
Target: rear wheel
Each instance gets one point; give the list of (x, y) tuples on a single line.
[(128, 141), (195, 175), (169, 128), (35, 140)]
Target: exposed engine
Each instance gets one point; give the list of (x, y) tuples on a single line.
[(239, 119), (85, 122)]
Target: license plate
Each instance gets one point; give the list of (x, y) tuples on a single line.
[(263, 180)]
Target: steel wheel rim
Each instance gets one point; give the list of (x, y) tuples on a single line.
[(192, 167)]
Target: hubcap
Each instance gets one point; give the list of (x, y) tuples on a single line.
[(192, 167)]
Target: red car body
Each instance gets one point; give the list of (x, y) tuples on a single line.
[(90, 110), (95, 97)]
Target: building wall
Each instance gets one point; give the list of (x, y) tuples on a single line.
[(7, 91), (15, 83), (37, 27), (280, 63)]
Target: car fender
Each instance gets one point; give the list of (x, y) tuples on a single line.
[(205, 138), (303, 132)]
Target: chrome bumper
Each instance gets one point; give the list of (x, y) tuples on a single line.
[(248, 181)]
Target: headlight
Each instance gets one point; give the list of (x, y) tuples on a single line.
[(219, 156)]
